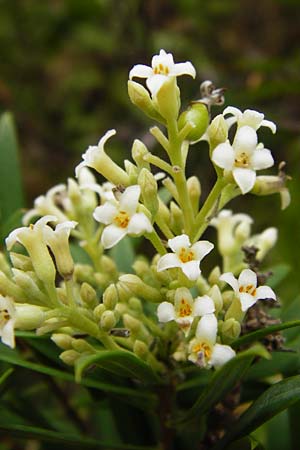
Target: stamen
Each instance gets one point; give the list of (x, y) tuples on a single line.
[(122, 219), (186, 255)]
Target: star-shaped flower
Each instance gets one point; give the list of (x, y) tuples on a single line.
[(186, 256), (162, 67), (185, 309), (7, 321), (121, 218), (245, 288), (203, 349), (249, 117), (243, 157)]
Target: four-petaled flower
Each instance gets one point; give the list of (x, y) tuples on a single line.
[(203, 349), (163, 66), (185, 309), (186, 256), (245, 288), (121, 218), (7, 321), (249, 117), (243, 157)]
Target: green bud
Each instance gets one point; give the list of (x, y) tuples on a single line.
[(194, 190), (20, 261), (272, 184), (110, 296), (98, 311), (81, 346), (214, 275), (135, 304), (69, 357), (139, 288), (63, 341), (177, 224), (10, 289), (235, 311), (228, 297), (217, 131), (148, 186), (108, 320), (28, 317), (140, 349), (88, 294), (140, 97), (216, 295), (5, 267), (141, 267), (167, 99), (109, 266), (197, 116), (28, 282), (138, 151), (230, 330), (131, 170), (84, 272), (132, 323)]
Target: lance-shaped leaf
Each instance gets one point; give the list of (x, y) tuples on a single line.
[(121, 363), (222, 382), (277, 398)]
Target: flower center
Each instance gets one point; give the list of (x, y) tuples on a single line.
[(4, 316), (241, 160), (185, 308), (186, 255), (249, 289), (121, 219), (160, 69), (204, 348)]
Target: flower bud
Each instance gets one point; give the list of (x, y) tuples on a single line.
[(10, 289), (217, 131), (5, 267), (177, 224), (109, 266), (214, 275), (110, 297), (139, 288), (69, 357), (198, 117), (81, 346), (135, 304), (20, 261), (108, 320), (138, 151), (266, 240), (140, 349), (88, 295), (28, 317), (28, 282), (194, 190), (148, 186), (84, 272), (216, 295), (98, 311), (141, 267), (132, 323), (272, 184), (242, 231), (140, 97), (63, 341), (132, 171), (167, 99), (230, 330)]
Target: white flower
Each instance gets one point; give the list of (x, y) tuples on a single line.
[(203, 349), (162, 67), (185, 309), (245, 288), (121, 218), (7, 321), (249, 117), (47, 204), (186, 256), (243, 157)]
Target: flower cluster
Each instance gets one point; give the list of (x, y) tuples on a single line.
[(69, 272)]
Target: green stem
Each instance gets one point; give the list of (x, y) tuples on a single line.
[(201, 222), (160, 137), (158, 162), (156, 242)]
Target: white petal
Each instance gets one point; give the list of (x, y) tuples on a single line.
[(112, 235), (164, 58), (12, 238), (245, 140), (179, 242), (229, 278), (244, 178), (165, 312), (247, 301), (138, 224), (247, 278), (269, 124), (185, 68), (129, 199), (221, 354), (265, 292), (140, 71), (261, 159), (223, 156), (181, 293), (155, 82), (234, 111), (168, 261), (8, 335), (251, 118), (201, 249), (191, 270), (203, 305), (67, 225), (105, 213), (207, 328)]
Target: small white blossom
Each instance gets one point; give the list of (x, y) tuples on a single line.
[(186, 256), (243, 157), (162, 67), (204, 350), (185, 309), (7, 321), (245, 288), (121, 218), (249, 117), (47, 204)]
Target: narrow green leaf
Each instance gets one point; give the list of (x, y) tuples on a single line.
[(12, 357), (5, 375), (120, 363), (256, 335), (64, 439), (222, 382), (11, 197), (277, 398)]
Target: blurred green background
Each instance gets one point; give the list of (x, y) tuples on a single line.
[(64, 66)]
